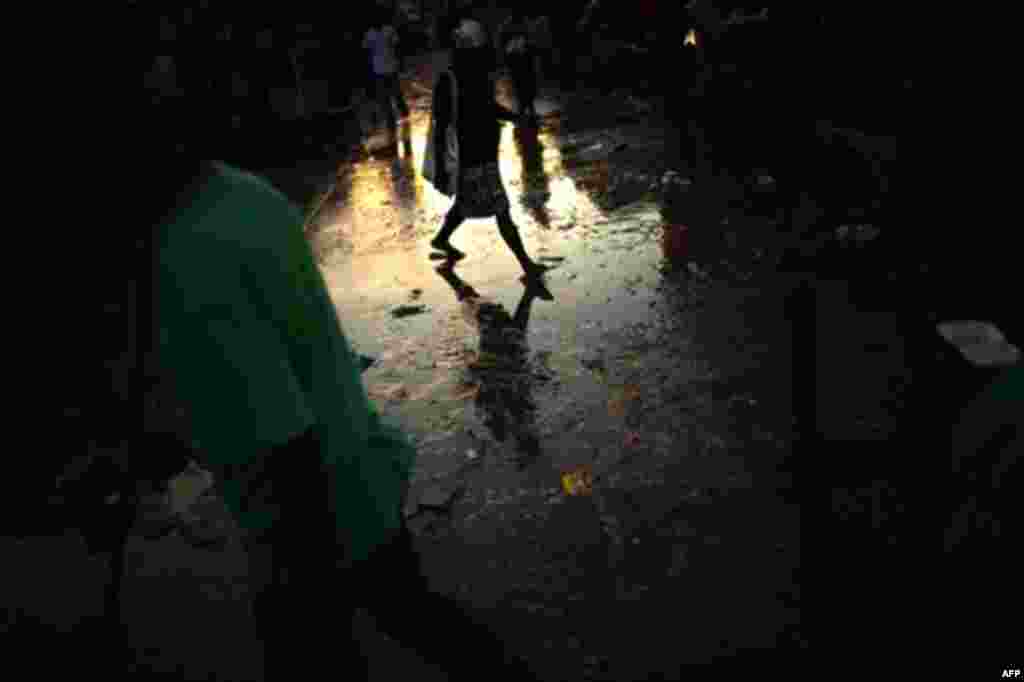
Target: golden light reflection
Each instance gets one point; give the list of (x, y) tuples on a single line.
[(390, 212), (691, 38)]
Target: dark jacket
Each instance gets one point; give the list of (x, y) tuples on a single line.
[(478, 114)]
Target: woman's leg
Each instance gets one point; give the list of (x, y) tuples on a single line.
[(510, 233), (451, 222)]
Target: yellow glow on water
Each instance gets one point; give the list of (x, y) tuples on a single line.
[(385, 212)]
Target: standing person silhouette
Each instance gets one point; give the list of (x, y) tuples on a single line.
[(382, 42)]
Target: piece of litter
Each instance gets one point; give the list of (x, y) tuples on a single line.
[(578, 481), (407, 310)]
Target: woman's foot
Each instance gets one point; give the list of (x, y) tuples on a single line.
[(450, 252), (535, 287)]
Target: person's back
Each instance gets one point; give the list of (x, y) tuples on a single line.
[(252, 345), (234, 272)]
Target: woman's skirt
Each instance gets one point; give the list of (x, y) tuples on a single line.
[(480, 192)]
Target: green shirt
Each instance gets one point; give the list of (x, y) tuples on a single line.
[(251, 343)]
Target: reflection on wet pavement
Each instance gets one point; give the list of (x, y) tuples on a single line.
[(633, 367), (500, 378), (372, 236)]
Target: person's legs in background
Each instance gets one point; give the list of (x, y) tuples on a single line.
[(383, 93), (395, 85), (529, 86)]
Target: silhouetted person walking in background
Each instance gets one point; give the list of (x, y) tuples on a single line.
[(464, 145), (382, 42)]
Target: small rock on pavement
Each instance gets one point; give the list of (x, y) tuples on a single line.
[(407, 310)]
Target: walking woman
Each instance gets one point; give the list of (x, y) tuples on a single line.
[(462, 155)]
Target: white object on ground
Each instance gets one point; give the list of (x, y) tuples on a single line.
[(981, 343)]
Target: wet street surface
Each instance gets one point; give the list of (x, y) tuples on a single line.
[(604, 466), (660, 375), (727, 404)]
